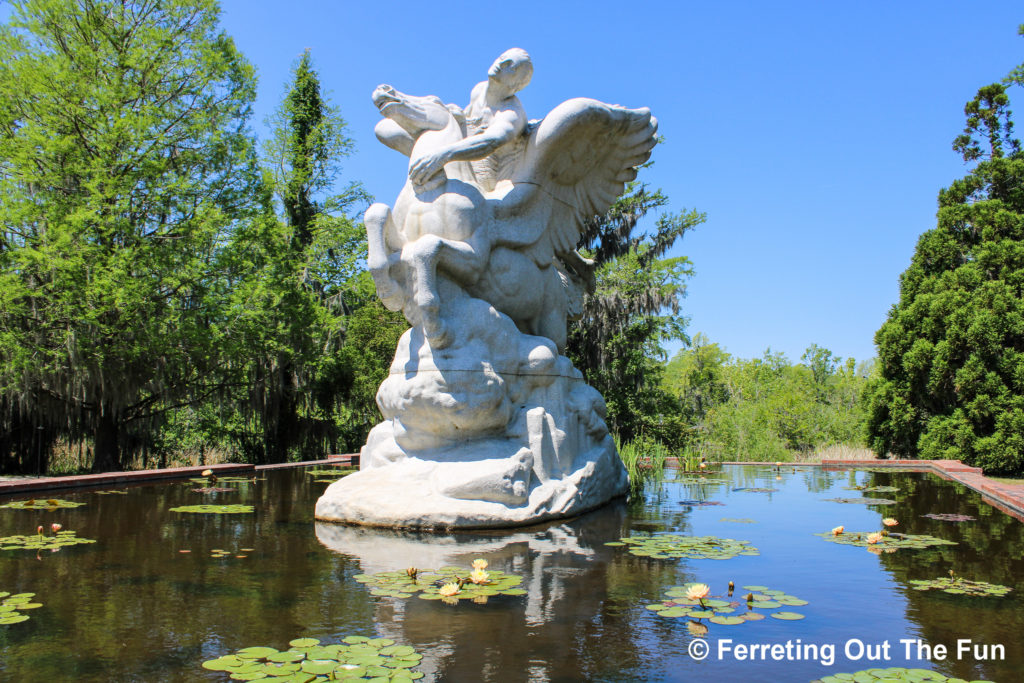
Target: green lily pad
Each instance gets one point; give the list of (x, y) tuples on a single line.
[(40, 542), (426, 584), (674, 546), (214, 509), (862, 501), (959, 586), (111, 492), (336, 472), (787, 616), (356, 657), (722, 611), (727, 620), (872, 489), (42, 504), (890, 674), (892, 541)]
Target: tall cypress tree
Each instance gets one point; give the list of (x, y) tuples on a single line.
[(951, 353), (294, 382)]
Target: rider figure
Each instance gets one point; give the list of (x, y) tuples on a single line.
[(495, 122)]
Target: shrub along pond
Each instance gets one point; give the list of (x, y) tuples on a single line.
[(250, 587)]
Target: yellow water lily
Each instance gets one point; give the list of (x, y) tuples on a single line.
[(697, 591), (838, 530), (480, 563), (874, 538), (448, 590), (479, 576), (889, 521)]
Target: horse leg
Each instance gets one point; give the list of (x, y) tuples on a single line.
[(423, 257), (379, 259)]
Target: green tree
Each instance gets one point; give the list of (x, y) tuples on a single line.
[(124, 164), (300, 272), (951, 352), (617, 343)]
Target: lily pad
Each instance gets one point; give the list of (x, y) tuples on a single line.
[(950, 517), (674, 546), (890, 674), (959, 586), (756, 489), (872, 489), (354, 658), (42, 504), (737, 521), (11, 607), (111, 492), (337, 472), (214, 509), (728, 620), (40, 542), (427, 584), (787, 616), (215, 489), (862, 501), (727, 612), (700, 503), (892, 542)]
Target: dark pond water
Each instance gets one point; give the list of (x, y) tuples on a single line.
[(132, 607)]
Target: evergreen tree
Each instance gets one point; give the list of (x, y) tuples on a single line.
[(124, 164), (951, 353), (304, 286)]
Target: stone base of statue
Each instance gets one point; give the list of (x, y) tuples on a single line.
[(494, 430)]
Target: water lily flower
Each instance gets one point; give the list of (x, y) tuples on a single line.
[(478, 576), (874, 538), (448, 590), (889, 521), (838, 530), (412, 572), (55, 527), (39, 529), (480, 563), (703, 465), (698, 592), (207, 473)]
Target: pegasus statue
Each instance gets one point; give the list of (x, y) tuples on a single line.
[(487, 424)]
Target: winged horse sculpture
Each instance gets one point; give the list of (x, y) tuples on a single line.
[(514, 246)]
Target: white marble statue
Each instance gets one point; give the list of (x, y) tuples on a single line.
[(486, 423)]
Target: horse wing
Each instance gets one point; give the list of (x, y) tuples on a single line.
[(582, 154)]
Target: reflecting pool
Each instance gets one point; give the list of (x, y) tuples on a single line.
[(135, 606)]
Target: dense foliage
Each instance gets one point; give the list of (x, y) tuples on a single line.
[(951, 353), (634, 310), (765, 408), (163, 289), (124, 165)]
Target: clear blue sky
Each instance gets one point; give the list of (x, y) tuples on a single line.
[(815, 135)]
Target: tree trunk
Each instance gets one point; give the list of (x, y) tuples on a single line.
[(105, 444)]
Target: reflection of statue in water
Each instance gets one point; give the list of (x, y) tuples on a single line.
[(486, 423)]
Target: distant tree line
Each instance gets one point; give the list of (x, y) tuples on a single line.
[(765, 408)]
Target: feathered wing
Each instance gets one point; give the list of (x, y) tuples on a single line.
[(582, 154)]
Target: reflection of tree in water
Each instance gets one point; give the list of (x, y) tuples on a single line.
[(582, 617), (990, 549), (131, 607)]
